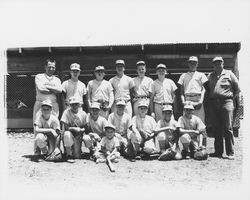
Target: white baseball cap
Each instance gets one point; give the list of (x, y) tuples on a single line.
[(217, 58), (188, 105), (143, 103), (119, 62), (95, 105), (161, 66), (193, 59), (167, 108), (121, 102), (109, 125), (140, 63), (75, 66), (99, 68), (47, 102), (73, 100)]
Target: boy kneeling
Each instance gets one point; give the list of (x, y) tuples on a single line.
[(74, 122), (47, 129), (192, 130)]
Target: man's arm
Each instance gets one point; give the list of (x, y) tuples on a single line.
[(40, 85)]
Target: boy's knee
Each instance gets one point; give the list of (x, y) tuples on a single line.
[(87, 141), (41, 140)]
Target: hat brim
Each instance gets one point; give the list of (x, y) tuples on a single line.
[(49, 105)]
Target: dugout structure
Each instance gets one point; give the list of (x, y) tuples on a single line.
[(24, 63)]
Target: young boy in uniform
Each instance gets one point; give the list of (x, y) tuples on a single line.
[(47, 129), (95, 124), (123, 124), (191, 130), (73, 122), (166, 129), (163, 92), (109, 146), (101, 91), (144, 125)]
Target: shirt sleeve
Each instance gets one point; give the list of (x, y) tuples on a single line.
[(203, 78), (235, 83), (58, 84), (153, 88), (200, 125), (131, 83), (56, 124), (38, 122), (102, 143), (84, 89), (64, 86), (117, 143), (64, 117), (174, 87), (180, 123), (110, 118), (180, 81), (39, 82)]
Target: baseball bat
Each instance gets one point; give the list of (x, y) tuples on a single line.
[(110, 164)]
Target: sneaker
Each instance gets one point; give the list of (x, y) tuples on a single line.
[(100, 160), (185, 154), (70, 158), (230, 157), (116, 160), (215, 155), (138, 157)]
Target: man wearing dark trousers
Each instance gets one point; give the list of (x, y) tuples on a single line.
[(223, 87)]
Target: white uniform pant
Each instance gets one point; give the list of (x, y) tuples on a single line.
[(43, 142), (128, 108), (76, 142)]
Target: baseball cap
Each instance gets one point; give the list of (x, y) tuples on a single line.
[(167, 108), (75, 66), (188, 105), (47, 102), (143, 104), (119, 62), (193, 59), (217, 58), (73, 100), (161, 66), (99, 68), (140, 63), (95, 105), (121, 102), (109, 125)]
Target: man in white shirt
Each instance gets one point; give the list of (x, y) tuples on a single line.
[(192, 87), (74, 87), (101, 91), (123, 86), (143, 86)]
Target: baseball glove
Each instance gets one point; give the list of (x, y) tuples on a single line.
[(201, 153), (55, 156), (169, 154)]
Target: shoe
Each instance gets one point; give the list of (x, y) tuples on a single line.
[(138, 157), (70, 158), (215, 155), (100, 160), (230, 157), (185, 154)]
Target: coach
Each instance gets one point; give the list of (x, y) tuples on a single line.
[(223, 87)]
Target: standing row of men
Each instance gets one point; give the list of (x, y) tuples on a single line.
[(221, 84)]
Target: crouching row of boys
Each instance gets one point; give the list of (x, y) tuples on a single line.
[(120, 135)]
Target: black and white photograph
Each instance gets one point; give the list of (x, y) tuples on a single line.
[(124, 99)]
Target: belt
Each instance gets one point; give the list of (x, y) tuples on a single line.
[(163, 104)]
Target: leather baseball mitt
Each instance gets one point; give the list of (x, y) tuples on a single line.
[(169, 154), (201, 154)]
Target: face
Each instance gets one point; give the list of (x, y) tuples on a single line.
[(75, 73), (167, 115), (161, 72), (110, 133), (188, 112), (50, 68), (120, 108), (192, 66), (94, 112), (74, 107), (141, 70), (142, 110), (99, 74), (46, 111), (120, 69), (218, 66)]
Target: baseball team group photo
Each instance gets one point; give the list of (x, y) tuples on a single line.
[(117, 120)]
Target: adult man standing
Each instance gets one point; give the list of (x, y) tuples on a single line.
[(143, 86), (123, 86), (74, 87), (192, 87), (101, 91), (223, 87), (47, 87), (163, 92)]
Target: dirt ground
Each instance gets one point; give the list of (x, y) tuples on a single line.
[(213, 173)]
